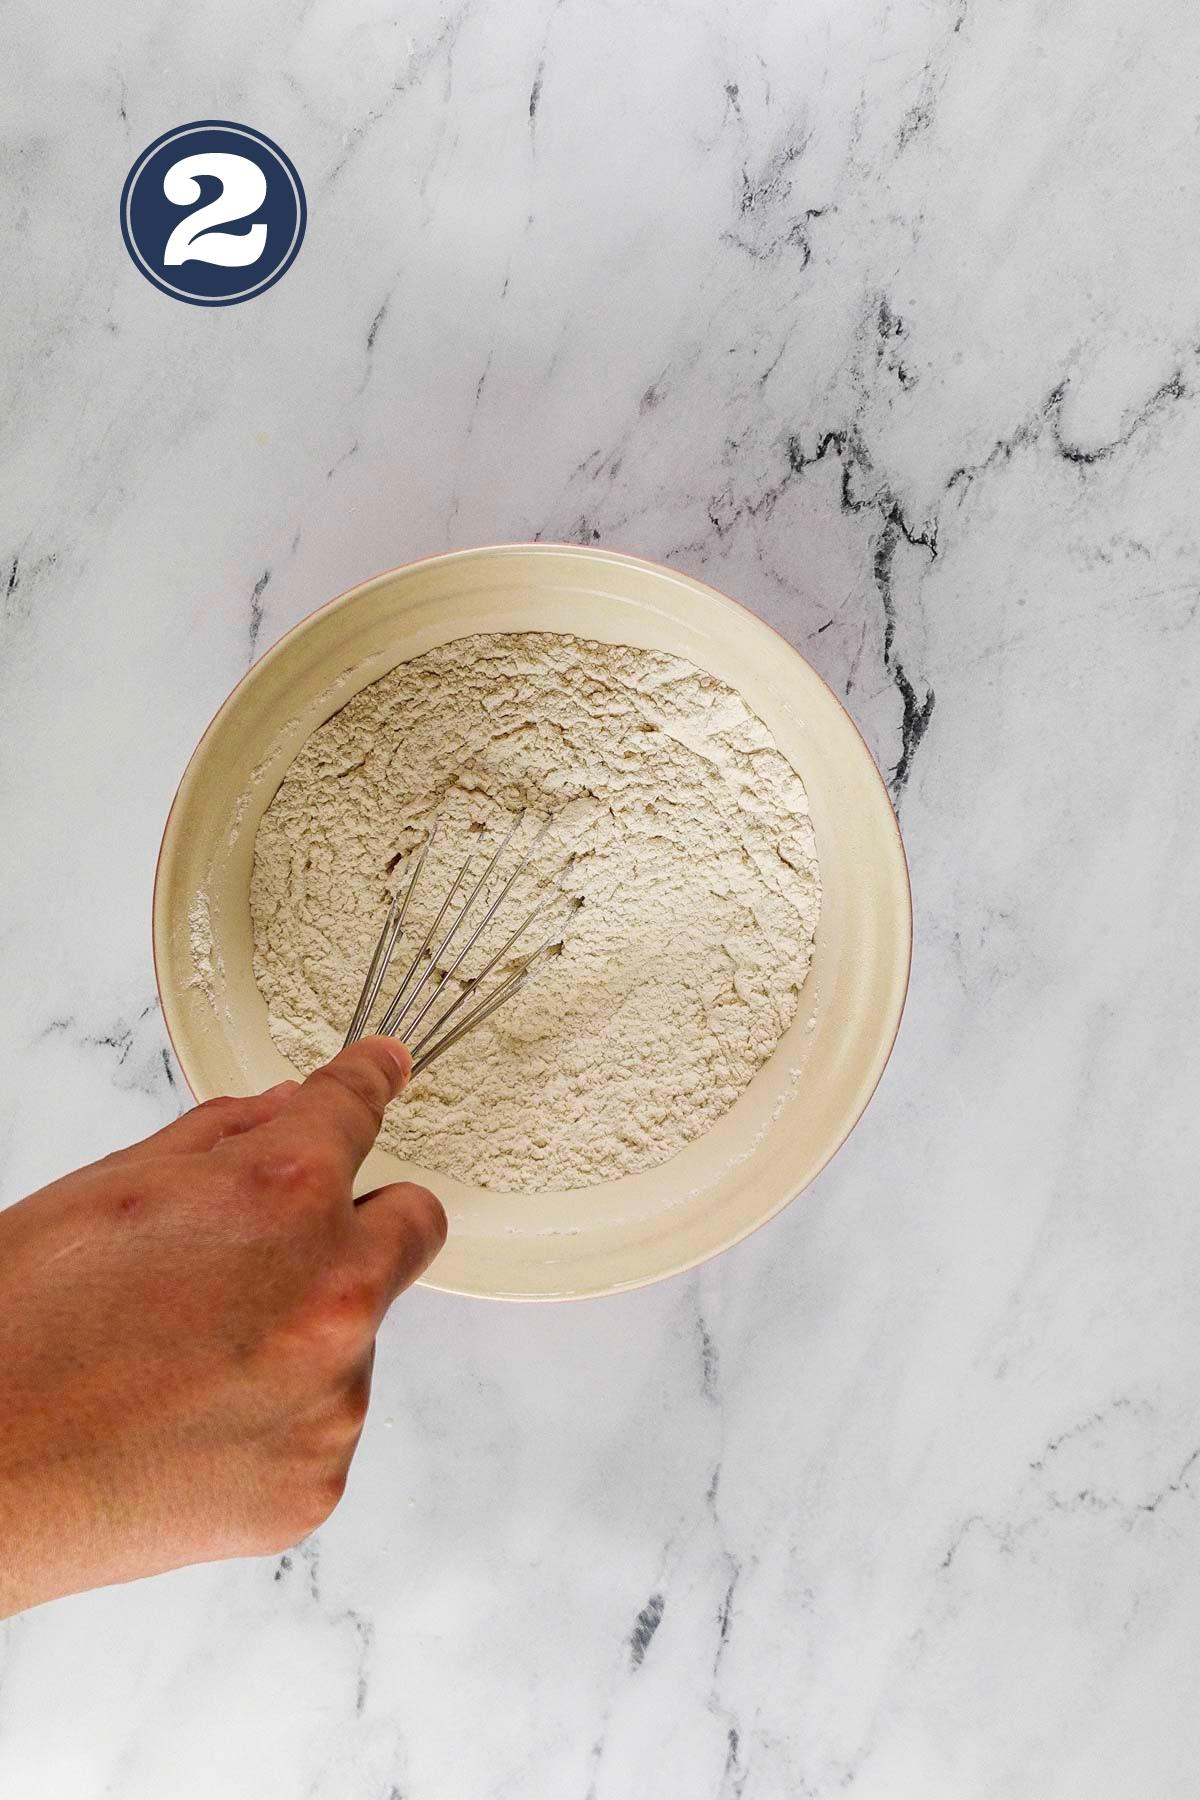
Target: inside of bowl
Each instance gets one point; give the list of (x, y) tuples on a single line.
[(804, 1099)]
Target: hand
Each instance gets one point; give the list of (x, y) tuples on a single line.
[(187, 1330)]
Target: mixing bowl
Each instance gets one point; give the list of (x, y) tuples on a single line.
[(806, 1097)]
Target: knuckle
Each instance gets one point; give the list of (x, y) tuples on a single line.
[(343, 1308), (293, 1172), (220, 1103), (356, 1398), (329, 1490), (361, 1080), (302, 1506), (321, 1494), (225, 1112)]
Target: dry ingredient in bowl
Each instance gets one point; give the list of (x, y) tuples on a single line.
[(683, 826)]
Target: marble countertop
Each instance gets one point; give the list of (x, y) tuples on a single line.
[(881, 315)]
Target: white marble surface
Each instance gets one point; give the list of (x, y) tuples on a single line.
[(882, 315)]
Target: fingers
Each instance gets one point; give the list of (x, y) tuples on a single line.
[(208, 1125), (340, 1107), (402, 1227)]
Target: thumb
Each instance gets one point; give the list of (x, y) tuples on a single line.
[(341, 1105)]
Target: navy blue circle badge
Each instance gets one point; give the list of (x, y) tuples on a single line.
[(213, 213)]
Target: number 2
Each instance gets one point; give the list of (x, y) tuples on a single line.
[(243, 190)]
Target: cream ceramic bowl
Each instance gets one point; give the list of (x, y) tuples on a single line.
[(807, 1096)]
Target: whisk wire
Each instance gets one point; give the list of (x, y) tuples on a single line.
[(471, 987), (479, 930), (422, 1058), (396, 1007), (385, 949), (437, 1038), (435, 956)]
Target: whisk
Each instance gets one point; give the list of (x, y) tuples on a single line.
[(438, 960)]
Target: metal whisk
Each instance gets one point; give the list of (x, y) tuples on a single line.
[(438, 960)]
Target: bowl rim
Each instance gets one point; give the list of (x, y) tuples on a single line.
[(601, 551)]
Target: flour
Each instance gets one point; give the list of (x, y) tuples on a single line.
[(675, 816)]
